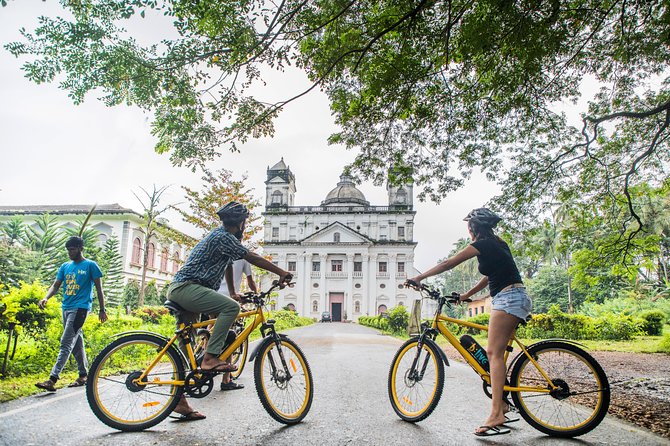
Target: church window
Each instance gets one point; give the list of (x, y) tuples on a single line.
[(336, 237), (336, 265), (291, 266), (290, 307), (357, 306), (275, 232), (401, 196), (401, 267), (151, 250), (276, 197), (382, 309), (164, 259), (316, 266), (315, 306), (137, 248), (401, 233), (383, 267), (358, 267)]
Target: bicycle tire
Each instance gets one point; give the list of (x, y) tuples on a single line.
[(120, 403), (405, 390), (583, 400), (287, 401), (239, 357)]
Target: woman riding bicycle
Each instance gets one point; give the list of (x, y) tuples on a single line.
[(195, 284), (510, 303)]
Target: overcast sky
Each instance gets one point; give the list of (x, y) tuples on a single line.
[(54, 152)]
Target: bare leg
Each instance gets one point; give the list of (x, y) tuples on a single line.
[(183, 407), (501, 327)]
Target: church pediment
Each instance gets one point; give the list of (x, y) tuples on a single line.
[(337, 233), (277, 179)]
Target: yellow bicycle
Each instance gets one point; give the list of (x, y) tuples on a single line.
[(556, 386), (137, 380)]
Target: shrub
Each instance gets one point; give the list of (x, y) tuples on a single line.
[(664, 345), (481, 319), (150, 314), (398, 319), (653, 321)]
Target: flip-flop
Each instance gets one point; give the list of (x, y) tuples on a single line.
[(491, 431), (511, 419), (191, 416), (232, 385)]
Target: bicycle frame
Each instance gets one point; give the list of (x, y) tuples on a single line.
[(439, 323), (183, 332)]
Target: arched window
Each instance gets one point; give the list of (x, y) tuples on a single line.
[(176, 261), (137, 249), (164, 259), (291, 307), (400, 304), (315, 306), (336, 237), (401, 196), (357, 306), (276, 197), (151, 253), (382, 309)]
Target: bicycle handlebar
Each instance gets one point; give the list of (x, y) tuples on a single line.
[(434, 294)]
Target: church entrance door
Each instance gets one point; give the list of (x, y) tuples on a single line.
[(336, 301)]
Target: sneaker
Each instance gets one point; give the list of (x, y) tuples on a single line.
[(47, 385)]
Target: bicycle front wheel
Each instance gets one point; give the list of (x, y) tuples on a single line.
[(578, 405), (283, 381), (239, 358), (416, 379), (114, 394)]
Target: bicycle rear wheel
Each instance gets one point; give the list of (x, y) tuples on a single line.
[(285, 392), (416, 379), (113, 393), (583, 396)]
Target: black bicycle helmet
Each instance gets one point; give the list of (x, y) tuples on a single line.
[(483, 217), (233, 213)]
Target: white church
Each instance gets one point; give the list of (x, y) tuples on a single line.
[(348, 257)]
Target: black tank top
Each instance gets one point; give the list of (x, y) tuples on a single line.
[(496, 262)]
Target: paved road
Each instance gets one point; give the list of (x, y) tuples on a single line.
[(349, 364)]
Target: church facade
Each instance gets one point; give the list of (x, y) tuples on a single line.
[(348, 257)]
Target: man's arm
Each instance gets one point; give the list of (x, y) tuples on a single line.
[(52, 291), (101, 300), (252, 284), (229, 281), (261, 262)]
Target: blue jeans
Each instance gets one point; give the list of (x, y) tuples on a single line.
[(72, 342)]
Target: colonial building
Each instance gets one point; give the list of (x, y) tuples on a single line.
[(164, 259), (347, 256)]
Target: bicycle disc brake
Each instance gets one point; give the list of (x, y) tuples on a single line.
[(199, 384)]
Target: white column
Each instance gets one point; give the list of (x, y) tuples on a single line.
[(281, 294), (372, 285), (349, 293), (306, 282), (300, 284), (322, 283), (393, 266)]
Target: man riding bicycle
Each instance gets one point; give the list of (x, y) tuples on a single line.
[(195, 285)]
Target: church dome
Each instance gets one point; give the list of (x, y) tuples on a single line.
[(345, 194)]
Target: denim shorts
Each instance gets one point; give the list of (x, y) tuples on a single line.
[(514, 301)]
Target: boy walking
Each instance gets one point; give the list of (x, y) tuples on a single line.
[(79, 276)]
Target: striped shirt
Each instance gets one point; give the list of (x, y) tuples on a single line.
[(207, 263)]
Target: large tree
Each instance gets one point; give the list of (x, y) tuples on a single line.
[(435, 87)]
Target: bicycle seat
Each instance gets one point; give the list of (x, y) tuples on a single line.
[(173, 307)]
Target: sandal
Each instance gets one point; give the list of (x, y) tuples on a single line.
[(79, 382), (231, 385), (46, 385)]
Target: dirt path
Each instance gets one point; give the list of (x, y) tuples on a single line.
[(640, 386)]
